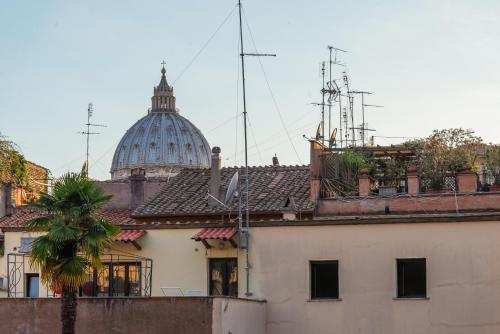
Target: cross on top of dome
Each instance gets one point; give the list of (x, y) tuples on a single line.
[(163, 99)]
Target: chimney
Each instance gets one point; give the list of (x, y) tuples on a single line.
[(275, 160), (214, 185), (6, 207), (316, 150), (137, 179)]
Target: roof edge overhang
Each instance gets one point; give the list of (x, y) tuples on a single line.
[(322, 221), (210, 214)]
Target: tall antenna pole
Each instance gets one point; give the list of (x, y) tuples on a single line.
[(247, 185), (89, 113), (90, 110), (247, 206), (323, 92)]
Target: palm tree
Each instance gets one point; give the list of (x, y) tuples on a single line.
[(74, 239)]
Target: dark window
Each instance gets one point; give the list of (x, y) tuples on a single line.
[(324, 279), (223, 277), (32, 285), (412, 282)]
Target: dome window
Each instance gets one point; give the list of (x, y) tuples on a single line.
[(170, 129), (171, 148), (189, 147)]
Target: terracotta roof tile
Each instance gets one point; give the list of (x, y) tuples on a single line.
[(24, 214), (270, 189), (129, 235), (223, 233)]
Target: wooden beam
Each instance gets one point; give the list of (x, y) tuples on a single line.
[(205, 243), (136, 245), (233, 243)]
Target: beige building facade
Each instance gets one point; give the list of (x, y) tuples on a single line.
[(462, 274)]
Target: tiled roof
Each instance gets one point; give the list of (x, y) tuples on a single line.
[(223, 233), (270, 188), (24, 214), (129, 235), (20, 216)]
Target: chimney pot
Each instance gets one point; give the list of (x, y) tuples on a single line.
[(215, 174), (275, 160)]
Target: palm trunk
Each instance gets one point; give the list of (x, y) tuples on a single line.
[(68, 310)]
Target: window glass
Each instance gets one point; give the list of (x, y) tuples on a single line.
[(324, 280), (32, 281), (412, 282), (223, 275)]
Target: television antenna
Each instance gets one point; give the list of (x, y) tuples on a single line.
[(90, 111), (246, 233), (334, 93)]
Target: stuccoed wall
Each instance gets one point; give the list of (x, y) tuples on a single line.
[(463, 278)]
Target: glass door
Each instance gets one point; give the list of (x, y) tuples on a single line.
[(223, 276)]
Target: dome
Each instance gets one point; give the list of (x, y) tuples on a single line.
[(162, 142)]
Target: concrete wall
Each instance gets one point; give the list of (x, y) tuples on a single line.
[(463, 278), (120, 190), (188, 315), (238, 316), (182, 315)]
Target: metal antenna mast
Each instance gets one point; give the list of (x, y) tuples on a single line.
[(247, 187), (323, 92), (333, 91), (90, 111), (351, 110), (363, 124)]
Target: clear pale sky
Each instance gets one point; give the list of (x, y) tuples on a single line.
[(432, 64)]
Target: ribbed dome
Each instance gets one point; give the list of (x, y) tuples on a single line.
[(161, 142)]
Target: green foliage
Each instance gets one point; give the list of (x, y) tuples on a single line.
[(12, 164), (75, 238), (493, 162), (350, 162), (445, 151)]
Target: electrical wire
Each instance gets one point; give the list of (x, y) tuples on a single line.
[(254, 140), (197, 54), (270, 89)]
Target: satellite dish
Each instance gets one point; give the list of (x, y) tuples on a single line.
[(333, 136), (318, 132), (231, 189)]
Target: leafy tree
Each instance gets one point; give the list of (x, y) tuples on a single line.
[(12, 163), (74, 238), (445, 151)]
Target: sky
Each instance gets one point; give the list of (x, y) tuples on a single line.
[(431, 64)]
